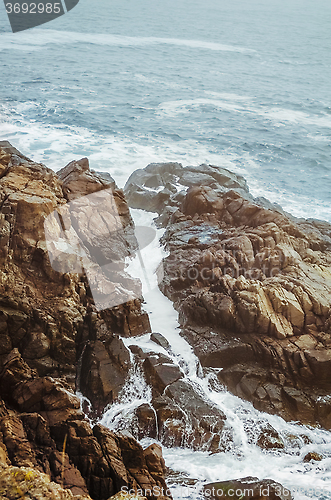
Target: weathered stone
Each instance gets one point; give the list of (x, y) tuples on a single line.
[(202, 418), (252, 286), (47, 317), (49, 336), (147, 425), (248, 487), (160, 371), (30, 483), (270, 439), (78, 180), (105, 366), (312, 455), (320, 363), (160, 340)]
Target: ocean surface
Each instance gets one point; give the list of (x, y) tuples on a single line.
[(244, 85)]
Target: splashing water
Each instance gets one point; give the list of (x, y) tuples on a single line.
[(121, 415), (241, 457)]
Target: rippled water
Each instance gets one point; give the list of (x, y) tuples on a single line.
[(245, 85)]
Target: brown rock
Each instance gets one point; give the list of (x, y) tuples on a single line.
[(147, 425), (270, 439), (252, 286), (47, 316), (312, 456), (160, 371), (320, 363), (248, 487), (105, 366)]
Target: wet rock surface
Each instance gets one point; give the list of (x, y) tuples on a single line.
[(178, 415), (249, 487), (46, 314), (42, 427), (54, 339), (106, 365), (252, 286), (57, 335)]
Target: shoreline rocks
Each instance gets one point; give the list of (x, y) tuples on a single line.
[(252, 286), (58, 333), (53, 340)]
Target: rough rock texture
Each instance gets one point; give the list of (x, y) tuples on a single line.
[(178, 414), (52, 337), (247, 488), (42, 427), (49, 316), (252, 286), (161, 185), (28, 483), (106, 365)]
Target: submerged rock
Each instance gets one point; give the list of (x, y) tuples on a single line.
[(179, 414), (312, 455), (106, 365), (270, 439)]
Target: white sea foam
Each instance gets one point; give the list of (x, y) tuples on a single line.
[(120, 156), (283, 116), (44, 37), (174, 108), (244, 458), (240, 104)]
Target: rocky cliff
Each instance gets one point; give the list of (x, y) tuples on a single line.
[(49, 327), (252, 286)]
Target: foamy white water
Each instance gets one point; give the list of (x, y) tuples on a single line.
[(243, 457), (41, 38)]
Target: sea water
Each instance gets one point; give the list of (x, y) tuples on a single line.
[(244, 85)]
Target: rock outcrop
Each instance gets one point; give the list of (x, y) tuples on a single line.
[(247, 488), (54, 337), (252, 286), (50, 316)]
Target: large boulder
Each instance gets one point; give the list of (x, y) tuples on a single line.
[(162, 185), (178, 414), (105, 367)]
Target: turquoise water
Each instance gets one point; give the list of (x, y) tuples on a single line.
[(245, 85)]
